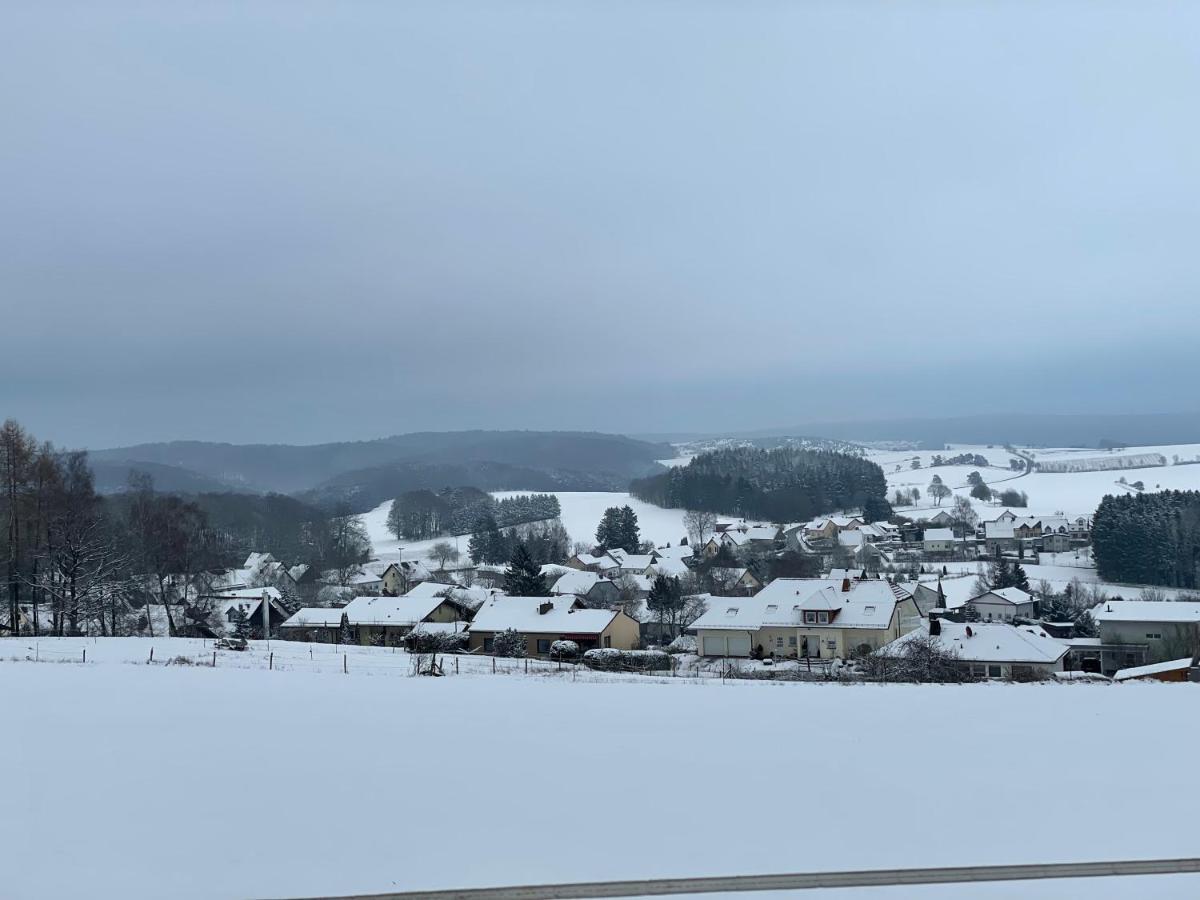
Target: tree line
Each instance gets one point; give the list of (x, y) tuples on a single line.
[(73, 560), (1149, 538), (786, 484), (423, 514)]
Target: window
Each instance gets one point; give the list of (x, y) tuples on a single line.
[(1154, 636), (772, 608), (543, 645), (810, 618), (779, 643), (488, 643), (868, 611), (822, 618), (731, 612), (792, 641), (994, 671), (607, 641)]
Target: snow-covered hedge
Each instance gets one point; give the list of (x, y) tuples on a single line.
[(1103, 463), (609, 659), (685, 643), (564, 650), (419, 641)]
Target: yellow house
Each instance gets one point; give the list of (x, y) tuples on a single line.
[(544, 620), (384, 620), (808, 617)]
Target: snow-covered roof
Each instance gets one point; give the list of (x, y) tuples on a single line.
[(541, 615), (987, 642), (1146, 611), (939, 534), (315, 617), (1013, 595), (575, 582), (394, 611), (251, 593), (956, 591), (1173, 665), (867, 604), (850, 538), (429, 589), (366, 578), (670, 566)]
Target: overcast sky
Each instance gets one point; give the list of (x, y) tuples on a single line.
[(302, 222)]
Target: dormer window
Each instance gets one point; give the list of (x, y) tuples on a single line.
[(810, 618), (822, 618)]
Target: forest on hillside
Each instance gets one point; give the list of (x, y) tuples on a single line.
[(785, 484), (1149, 538)]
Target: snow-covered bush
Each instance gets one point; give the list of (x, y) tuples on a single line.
[(420, 641), (564, 650), (685, 643), (610, 659), (509, 642)]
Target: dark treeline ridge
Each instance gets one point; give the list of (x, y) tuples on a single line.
[(782, 485), (74, 560), (420, 515), (1149, 538)]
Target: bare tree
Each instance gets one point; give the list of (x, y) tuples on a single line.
[(443, 552), (699, 524)]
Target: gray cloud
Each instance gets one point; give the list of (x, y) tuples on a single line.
[(300, 222)]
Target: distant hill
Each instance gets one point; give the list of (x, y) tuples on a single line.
[(492, 460), (1144, 429), (112, 477)]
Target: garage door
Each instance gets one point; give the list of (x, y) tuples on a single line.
[(739, 646), (713, 646)]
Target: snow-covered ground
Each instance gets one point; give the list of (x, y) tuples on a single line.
[(1070, 493), (581, 513), (153, 781)]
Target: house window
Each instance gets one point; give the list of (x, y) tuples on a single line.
[(822, 618), (868, 610), (792, 641), (994, 672), (1154, 636), (779, 643), (772, 608), (543, 645), (607, 640), (488, 643), (810, 618)]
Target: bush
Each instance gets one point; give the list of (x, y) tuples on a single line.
[(420, 641), (564, 650), (509, 643), (685, 643), (612, 660)]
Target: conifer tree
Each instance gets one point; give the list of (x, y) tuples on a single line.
[(523, 577)]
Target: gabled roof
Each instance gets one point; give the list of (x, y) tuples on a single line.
[(393, 611), (562, 615), (939, 534), (315, 617), (987, 642), (1013, 595), (868, 604), (575, 582)]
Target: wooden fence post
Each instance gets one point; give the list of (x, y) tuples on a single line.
[(151, 654), (214, 659), (85, 654), (493, 665), (456, 665), (345, 665), (271, 662)]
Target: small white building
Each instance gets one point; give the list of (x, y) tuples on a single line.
[(939, 540), (1004, 605), (990, 649)]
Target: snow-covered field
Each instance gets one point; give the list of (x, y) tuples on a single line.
[(152, 781), (581, 513), (1070, 493)]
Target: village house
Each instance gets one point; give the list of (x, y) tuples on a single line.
[(939, 541), (948, 593), (1004, 605), (315, 624), (250, 602), (734, 582), (544, 620), (989, 649), (384, 620), (398, 578), (826, 528), (1167, 629), (587, 586), (807, 618)]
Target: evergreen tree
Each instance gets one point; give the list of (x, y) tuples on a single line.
[(608, 533), (665, 598), (1019, 578), (628, 528), (345, 632), (523, 578), (240, 623)]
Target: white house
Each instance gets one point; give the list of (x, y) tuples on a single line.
[(990, 649), (939, 540), (1004, 605)]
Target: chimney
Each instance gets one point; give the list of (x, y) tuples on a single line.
[(935, 627), (846, 585), (545, 608)]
